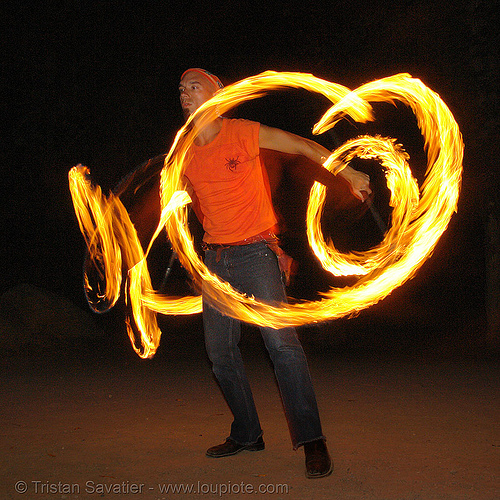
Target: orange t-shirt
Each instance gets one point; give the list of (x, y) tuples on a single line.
[(228, 179)]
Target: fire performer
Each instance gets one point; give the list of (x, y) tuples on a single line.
[(230, 194)]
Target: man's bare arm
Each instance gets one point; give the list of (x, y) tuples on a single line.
[(286, 142)]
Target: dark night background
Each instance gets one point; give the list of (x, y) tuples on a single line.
[(96, 83)]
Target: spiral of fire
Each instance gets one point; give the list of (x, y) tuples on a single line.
[(419, 217)]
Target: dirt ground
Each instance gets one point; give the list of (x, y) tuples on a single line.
[(398, 427)]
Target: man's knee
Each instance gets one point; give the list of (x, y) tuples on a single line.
[(284, 343)]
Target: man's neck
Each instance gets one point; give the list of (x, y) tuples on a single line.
[(209, 133)]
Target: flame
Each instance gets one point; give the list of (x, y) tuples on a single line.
[(95, 214), (419, 217)]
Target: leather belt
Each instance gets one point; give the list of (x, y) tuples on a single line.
[(267, 236)]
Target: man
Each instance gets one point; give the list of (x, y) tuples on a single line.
[(228, 184)]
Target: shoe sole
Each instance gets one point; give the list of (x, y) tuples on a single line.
[(317, 476), (251, 447)]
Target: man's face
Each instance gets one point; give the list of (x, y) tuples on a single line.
[(194, 90)]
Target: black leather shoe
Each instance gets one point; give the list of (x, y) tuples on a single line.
[(318, 461), (231, 447)]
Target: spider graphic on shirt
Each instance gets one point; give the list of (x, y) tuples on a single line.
[(232, 163)]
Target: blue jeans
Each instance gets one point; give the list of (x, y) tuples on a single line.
[(253, 269)]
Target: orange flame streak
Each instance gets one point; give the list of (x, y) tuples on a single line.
[(111, 238), (404, 198), (140, 288), (418, 218), (95, 216)]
